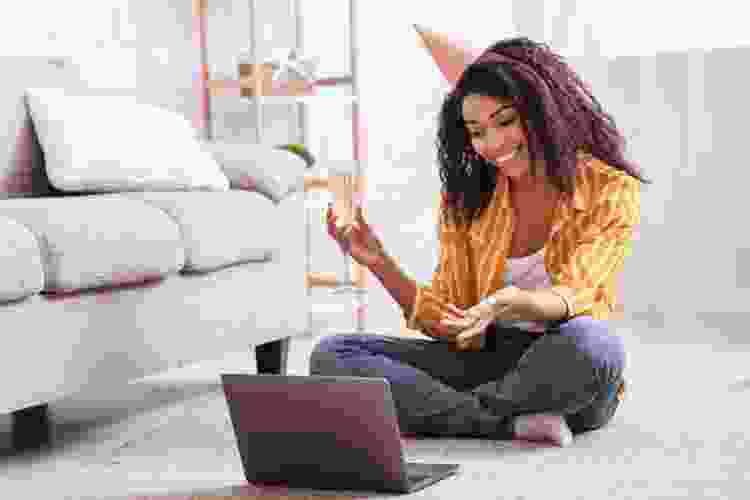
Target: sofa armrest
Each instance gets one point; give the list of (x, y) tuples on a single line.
[(272, 172), (20, 260)]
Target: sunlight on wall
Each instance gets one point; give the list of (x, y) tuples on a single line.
[(95, 47), (642, 27)]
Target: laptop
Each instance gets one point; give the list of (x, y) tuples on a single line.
[(323, 432)]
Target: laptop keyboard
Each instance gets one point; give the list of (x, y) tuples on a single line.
[(415, 472), (415, 477)]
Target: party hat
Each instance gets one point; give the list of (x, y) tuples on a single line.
[(451, 56)]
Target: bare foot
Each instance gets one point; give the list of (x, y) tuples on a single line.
[(543, 427)]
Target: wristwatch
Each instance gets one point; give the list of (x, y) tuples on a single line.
[(491, 300)]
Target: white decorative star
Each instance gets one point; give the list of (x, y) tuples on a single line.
[(293, 67)]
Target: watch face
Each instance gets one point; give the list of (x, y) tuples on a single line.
[(507, 277)]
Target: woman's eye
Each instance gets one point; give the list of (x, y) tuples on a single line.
[(474, 135)]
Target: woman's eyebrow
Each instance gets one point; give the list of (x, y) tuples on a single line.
[(492, 115)]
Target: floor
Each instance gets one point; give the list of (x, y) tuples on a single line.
[(681, 433)]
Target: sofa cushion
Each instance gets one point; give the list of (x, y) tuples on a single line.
[(259, 167), (22, 172), (21, 271), (98, 240), (219, 229), (113, 143)]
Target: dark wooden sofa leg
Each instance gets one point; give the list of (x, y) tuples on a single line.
[(272, 357), (31, 428)]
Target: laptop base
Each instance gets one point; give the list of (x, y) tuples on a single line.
[(420, 475)]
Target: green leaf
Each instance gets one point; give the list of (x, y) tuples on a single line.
[(300, 150)]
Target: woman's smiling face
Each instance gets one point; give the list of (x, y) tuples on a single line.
[(494, 127)]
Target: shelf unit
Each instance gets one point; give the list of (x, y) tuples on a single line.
[(354, 282)]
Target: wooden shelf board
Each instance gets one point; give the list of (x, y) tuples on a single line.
[(233, 87), (331, 280), (306, 99)]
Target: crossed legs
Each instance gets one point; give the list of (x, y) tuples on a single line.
[(571, 370)]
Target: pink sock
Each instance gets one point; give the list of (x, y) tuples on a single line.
[(543, 427)]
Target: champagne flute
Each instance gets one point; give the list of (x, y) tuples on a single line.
[(345, 212)]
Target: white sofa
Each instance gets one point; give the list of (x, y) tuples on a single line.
[(102, 288)]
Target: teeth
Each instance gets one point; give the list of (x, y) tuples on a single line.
[(509, 155)]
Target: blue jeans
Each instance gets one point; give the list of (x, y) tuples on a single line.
[(575, 369)]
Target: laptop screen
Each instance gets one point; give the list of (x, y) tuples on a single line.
[(339, 423)]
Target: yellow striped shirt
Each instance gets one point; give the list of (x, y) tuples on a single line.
[(591, 236)]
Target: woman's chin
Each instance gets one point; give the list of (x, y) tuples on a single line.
[(511, 168)]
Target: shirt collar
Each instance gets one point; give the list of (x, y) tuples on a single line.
[(579, 202)]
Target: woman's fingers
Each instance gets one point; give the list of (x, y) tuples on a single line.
[(460, 320), (456, 310), (456, 330), (331, 219), (332, 229), (359, 215), (452, 326), (439, 328), (472, 332), (336, 233)]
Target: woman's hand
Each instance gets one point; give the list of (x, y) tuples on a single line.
[(453, 322), (460, 328), (457, 327), (464, 338), (357, 239), (510, 304)]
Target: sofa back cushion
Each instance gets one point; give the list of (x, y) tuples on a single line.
[(22, 172), (98, 142)]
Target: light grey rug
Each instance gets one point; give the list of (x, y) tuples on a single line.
[(681, 433)]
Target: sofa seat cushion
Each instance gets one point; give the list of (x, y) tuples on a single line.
[(219, 228), (98, 240), (21, 270)]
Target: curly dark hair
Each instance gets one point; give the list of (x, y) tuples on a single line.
[(559, 116)]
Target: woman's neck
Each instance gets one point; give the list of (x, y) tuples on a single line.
[(531, 187)]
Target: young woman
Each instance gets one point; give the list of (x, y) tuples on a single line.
[(538, 206)]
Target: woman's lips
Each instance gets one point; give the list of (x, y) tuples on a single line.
[(509, 156)]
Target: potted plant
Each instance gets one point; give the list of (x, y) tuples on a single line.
[(300, 150)]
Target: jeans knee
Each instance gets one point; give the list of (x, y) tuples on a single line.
[(329, 348), (597, 340), (330, 343)]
